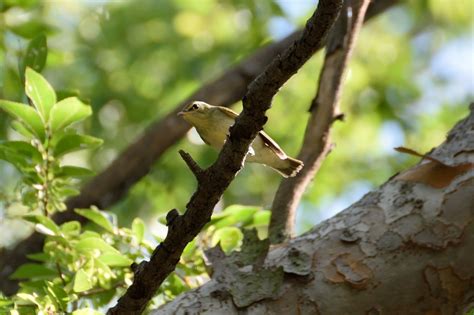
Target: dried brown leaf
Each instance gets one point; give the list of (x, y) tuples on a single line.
[(434, 173)]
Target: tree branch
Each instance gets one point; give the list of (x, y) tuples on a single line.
[(131, 165), (230, 160), (193, 166), (324, 110)]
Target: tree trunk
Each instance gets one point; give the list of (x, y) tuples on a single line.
[(405, 248)]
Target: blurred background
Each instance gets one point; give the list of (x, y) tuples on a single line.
[(410, 79)]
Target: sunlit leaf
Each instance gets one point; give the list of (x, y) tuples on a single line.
[(235, 214), (57, 293), (72, 142), (26, 114), (138, 229), (71, 228), (47, 225), (98, 217), (68, 111), (229, 238), (40, 92), (95, 243), (21, 129), (115, 260), (262, 217), (29, 297), (82, 281), (86, 311)]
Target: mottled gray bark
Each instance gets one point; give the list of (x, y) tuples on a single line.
[(404, 248)]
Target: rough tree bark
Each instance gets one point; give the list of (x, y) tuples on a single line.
[(113, 183), (404, 248), (324, 111)]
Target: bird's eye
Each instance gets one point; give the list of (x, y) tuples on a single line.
[(194, 107)]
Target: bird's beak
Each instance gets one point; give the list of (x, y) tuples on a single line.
[(181, 114)]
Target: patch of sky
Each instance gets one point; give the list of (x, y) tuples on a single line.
[(308, 215)]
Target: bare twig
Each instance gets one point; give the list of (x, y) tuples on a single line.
[(218, 177), (131, 165), (193, 166), (60, 273), (324, 111)]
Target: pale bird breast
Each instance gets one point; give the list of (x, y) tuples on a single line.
[(215, 131)]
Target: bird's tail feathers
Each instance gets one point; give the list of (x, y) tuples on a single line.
[(290, 167)]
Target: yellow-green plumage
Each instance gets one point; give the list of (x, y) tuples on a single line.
[(213, 123)]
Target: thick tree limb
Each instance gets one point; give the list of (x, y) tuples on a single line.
[(404, 248), (324, 110), (230, 160), (113, 183)]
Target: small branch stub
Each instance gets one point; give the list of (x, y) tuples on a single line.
[(171, 217), (193, 166)]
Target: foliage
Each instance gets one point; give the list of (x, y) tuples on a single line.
[(82, 267)]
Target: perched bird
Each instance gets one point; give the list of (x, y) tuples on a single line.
[(213, 123)]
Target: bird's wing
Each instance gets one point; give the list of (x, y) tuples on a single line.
[(270, 143), (229, 112)]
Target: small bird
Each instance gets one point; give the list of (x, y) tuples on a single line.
[(213, 123)]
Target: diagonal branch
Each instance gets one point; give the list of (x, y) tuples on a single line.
[(112, 184), (218, 177), (193, 166), (324, 111)]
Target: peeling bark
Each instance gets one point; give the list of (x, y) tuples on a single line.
[(404, 248)]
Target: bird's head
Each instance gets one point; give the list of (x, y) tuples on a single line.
[(195, 112)]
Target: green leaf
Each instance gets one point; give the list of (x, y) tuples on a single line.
[(22, 148), (17, 160), (86, 311), (42, 257), (68, 111), (235, 214), (22, 130), (229, 237), (68, 191), (71, 228), (57, 294), (74, 171), (31, 270), (36, 54), (138, 229), (26, 114), (30, 298), (4, 301), (262, 217), (82, 281), (47, 226), (98, 217), (72, 142), (115, 260), (89, 244), (40, 92)]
